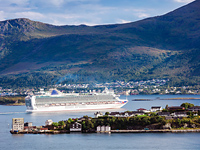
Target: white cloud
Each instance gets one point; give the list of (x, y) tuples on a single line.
[(183, 1), (73, 19), (29, 14), (123, 21), (2, 15), (142, 15), (62, 19), (14, 2), (57, 3), (139, 13), (12, 6), (89, 12)]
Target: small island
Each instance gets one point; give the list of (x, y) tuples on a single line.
[(184, 118), (12, 100)]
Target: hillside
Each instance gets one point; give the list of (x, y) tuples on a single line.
[(34, 54)]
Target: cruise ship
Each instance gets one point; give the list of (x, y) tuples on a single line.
[(55, 100)]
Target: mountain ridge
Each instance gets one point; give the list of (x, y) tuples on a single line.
[(164, 46)]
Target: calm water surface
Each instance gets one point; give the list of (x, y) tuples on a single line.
[(146, 141)]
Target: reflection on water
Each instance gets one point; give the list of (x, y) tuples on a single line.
[(10, 113)]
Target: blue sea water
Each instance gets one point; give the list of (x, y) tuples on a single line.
[(116, 141)]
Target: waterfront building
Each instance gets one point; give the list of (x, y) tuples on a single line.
[(75, 127), (98, 128), (30, 128), (179, 114), (43, 129), (167, 115), (18, 124), (175, 108), (194, 108), (28, 124), (126, 114), (103, 128), (156, 108), (134, 113), (98, 114), (108, 128), (48, 122), (115, 114), (164, 113), (143, 110)]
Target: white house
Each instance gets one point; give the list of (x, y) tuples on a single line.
[(75, 127), (98, 114), (143, 110), (115, 114), (194, 108), (156, 108), (48, 122), (108, 128), (98, 128), (103, 129), (179, 114)]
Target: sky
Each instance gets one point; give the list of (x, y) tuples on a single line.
[(89, 12)]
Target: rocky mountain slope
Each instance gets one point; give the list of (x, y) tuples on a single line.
[(34, 53)]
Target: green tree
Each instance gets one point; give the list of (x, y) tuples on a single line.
[(178, 122), (70, 120), (187, 105), (55, 124), (61, 123), (190, 114), (107, 113)]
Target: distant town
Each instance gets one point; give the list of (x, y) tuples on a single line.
[(148, 87)]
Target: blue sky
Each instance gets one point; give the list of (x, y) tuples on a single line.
[(89, 12)]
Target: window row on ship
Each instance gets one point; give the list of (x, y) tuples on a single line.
[(63, 100), (74, 103), (79, 97)]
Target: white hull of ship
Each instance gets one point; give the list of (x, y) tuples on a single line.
[(75, 107)]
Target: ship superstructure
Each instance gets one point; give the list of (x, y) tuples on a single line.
[(58, 101)]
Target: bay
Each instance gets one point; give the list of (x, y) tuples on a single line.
[(119, 141)]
